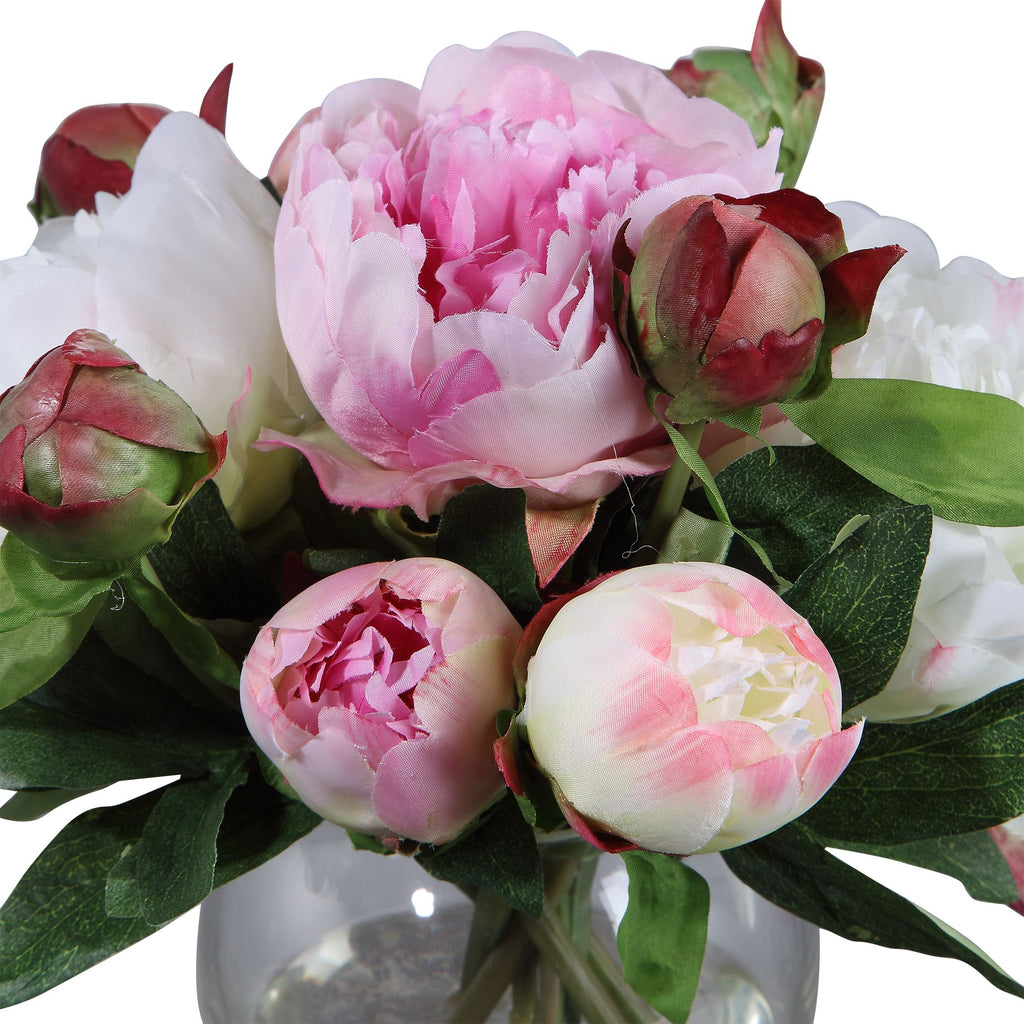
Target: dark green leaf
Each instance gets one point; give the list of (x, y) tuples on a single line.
[(258, 824), (663, 933), (177, 851), (101, 720), (960, 772), (55, 925), (500, 854), (208, 569), (860, 597), (191, 640), (56, 922), (930, 445), (800, 876), (32, 804), (795, 507), (484, 529), (325, 561), (972, 859)]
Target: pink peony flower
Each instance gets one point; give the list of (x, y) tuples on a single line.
[(375, 693), (683, 708), (444, 269)]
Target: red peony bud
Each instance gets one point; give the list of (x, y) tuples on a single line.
[(94, 150), (736, 303), (96, 458)]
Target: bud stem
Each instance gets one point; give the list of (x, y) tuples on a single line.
[(670, 500)]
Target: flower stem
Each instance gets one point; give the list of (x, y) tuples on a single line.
[(586, 989), (604, 966), (506, 960), (669, 500)]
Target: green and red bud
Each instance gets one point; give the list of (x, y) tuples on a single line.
[(97, 458), (730, 304), (95, 148), (769, 86)]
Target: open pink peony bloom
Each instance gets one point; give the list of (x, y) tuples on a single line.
[(375, 693), (444, 271), (683, 708)]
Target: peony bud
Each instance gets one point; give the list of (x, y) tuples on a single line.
[(94, 150), (731, 304), (771, 86), (96, 458), (683, 708), (375, 693)]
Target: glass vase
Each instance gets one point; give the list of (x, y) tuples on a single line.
[(325, 933)]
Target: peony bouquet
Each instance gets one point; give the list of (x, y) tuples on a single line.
[(527, 470)]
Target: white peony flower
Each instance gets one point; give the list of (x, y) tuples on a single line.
[(180, 272), (961, 326)]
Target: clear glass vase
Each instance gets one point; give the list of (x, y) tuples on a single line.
[(324, 933)]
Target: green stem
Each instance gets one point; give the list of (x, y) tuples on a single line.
[(669, 501), (388, 523), (524, 995), (476, 1000), (604, 966), (550, 997), (549, 935)]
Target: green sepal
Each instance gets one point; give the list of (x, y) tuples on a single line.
[(371, 844), (929, 445), (499, 853), (692, 538), (662, 936)]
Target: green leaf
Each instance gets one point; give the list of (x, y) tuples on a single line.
[(973, 859), (177, 851), (101, 720), (326, 561), (961, 772), (258, 824), (795, 873), (191, 640), (484, 529), (500, 854), (55, 925), (29, 590), (860, 597), (952, 449), (33, 804), (122, 898), (797, 505), (692, 538), (33, 652), (207, 568), (663, 933), (371, 844)]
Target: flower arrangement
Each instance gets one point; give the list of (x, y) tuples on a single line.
[(504, 522)]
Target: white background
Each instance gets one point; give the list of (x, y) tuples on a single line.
[(922, 120)]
